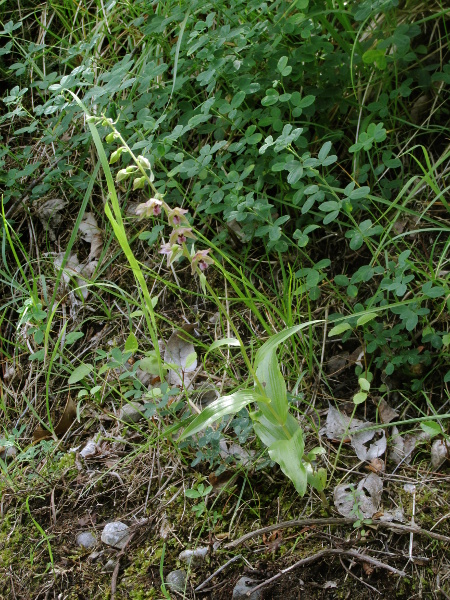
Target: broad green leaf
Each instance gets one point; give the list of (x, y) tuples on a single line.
[(269, 374), (270, 377), (72, 337), (269, 432), (366, 318), (283, 61), (131, 345), (149, 364), (316, 479), (80, 373), (190, 360), (275, 340), (192, 494), (338, 329), (225, 405), (288, 454)]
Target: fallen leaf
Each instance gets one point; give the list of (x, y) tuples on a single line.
[(364, 450), (241, 455), (403, 446), (439, 453), (339, 425), (392, 515), (91, 234), (178, 352), (386, 412), (377, 465), (273, 541), (220, 481), (67, 418), (49, 216), (365, 500), (336, 363)]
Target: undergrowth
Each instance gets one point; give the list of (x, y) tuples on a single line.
[(303, 150)]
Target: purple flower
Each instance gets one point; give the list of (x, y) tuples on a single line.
[(180, 234), (201, 260), (151, 208), (171, 251), (176, 216)]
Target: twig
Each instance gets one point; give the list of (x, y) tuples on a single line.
[(396, 527), (232, 560), (329, 552), (286, 524), (117, 567), (358, 579)]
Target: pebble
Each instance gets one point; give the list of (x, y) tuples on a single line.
[(243, 587), (131, 413), (86, 539), (109, 566), (176, 580), (116, 534), (194, 556)]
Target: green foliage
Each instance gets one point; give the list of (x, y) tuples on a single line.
[(273, 423), (297, 128)]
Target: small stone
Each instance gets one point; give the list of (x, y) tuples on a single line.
[(243, 587), (194, 556), (86, 539), (116, 534), (109, 566), (131, 413), (176, 580)]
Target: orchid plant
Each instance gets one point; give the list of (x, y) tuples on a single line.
[(273, 423)]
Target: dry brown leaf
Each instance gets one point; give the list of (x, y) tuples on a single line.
[(67, 418), (91, 234), (273, 541), (386, 412), (48, 214), (339, 425), (178, 349), (403, 446), (377, 465), (364, 450), (365, 500), (220, 481), (439, 453), (368, 569)]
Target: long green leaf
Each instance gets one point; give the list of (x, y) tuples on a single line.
[(274, 341), (270, 377), (225, 405), (288, 454)]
